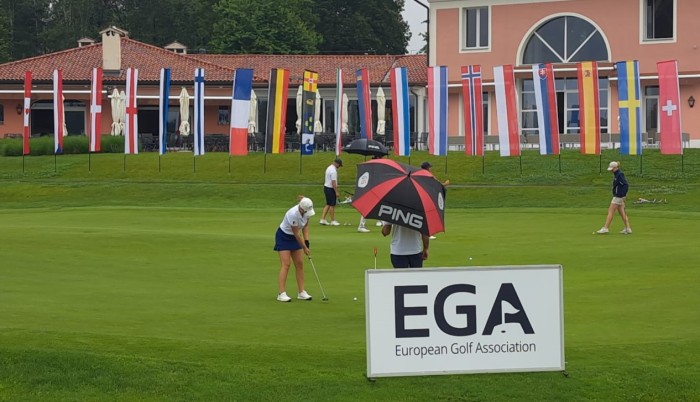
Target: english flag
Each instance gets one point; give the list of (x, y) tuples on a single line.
[(507, 109), (58, 116), (670, 113), (131, 125), (472, 100), (96, 110), (27, 108)]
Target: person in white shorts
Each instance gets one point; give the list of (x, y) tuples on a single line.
[(619, 190)]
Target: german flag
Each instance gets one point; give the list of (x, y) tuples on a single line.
[(277, 110)]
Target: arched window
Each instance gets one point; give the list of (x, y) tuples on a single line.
[(565, 39)]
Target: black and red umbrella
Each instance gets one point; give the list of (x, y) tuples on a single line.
[(400, 194)]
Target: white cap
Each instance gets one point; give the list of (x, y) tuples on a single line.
[(613, 165), (307, 206)]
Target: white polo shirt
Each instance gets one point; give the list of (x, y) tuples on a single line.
[(405, 241), (293, 218), (331, 176)]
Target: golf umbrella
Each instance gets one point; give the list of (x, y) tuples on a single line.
[(400, 194), (366, 147)]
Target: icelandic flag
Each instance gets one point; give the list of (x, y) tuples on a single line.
[(400, 106), (437, 110), (364, 103), (240, 111), (546, 101), (339, 111), (27, 109), (131, 125), (507, 110), (163, 110), (198, 112), (96, 110), (472, 100), (58, 114), (629, 101), (670, 114)]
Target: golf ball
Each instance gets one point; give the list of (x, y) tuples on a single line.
[(354, 298), (470, 258)]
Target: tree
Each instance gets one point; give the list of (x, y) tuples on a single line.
[(265, 26)]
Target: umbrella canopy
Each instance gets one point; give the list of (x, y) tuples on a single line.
[(400, 194), (318, 127), (114, 104), (344, 123), (184, 112), (253, 119), (300, 93), (366, 147), (381, 112), (122, 112)]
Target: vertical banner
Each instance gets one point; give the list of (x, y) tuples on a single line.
[(276, 110), (472, 101), (198, 140), (308, 111), (670, 114), (589, 110), (546, 101), (507, 109), (58, 113), (339, 112), (163, 110), (26, 133), (437, 110), (240, 111), (364, 103), (400, 111), (131, 124), (96, 110), (629, 103)]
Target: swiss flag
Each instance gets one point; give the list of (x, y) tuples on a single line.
[(670, 108)]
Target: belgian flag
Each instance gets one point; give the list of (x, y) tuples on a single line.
[(276, 110)]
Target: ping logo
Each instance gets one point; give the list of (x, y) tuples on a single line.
[(397, 215), (441, 201), (363, 180)]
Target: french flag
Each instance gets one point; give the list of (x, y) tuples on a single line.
[(198, 112), (437, 110), (507, 110), (364, 103), (131, 124), (401, 115), (96, 110), (472, 99), (163, 110), (58, 116), (27, 109), (546, 101), (240, 111)]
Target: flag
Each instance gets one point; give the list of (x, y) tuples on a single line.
[(589, 112), (401, 111), (27, 108), (670, 114), (437, 110), (629, 103), (507, 110), (308, 99), (546, 101), (472, 100), (198, 133), (364, 103), (58, 115), (163, 110), (131, 125), (339, 111), (276, 110), (240, 111), (96, 110)]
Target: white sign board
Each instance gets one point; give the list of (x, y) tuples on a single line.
[(464, 320)]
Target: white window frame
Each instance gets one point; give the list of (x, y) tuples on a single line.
[(463, 30), (643, 21)]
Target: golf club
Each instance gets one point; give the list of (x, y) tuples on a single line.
[(325, 299), (375, 257)]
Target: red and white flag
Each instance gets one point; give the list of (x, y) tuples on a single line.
[(507, 109), (131, 125), (670, 111), (27, 108), (96, 110), (58, 116)]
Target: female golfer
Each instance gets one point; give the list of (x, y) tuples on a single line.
[(291, 243), (619, 190)]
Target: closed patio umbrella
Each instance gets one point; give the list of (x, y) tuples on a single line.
[(344, 123), (184, 112), (318, 127), (253, 119), (381, 112), (122, 112), (114, 104), (300, 93)]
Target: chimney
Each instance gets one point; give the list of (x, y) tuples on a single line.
[(112, 49), (176, 47), (85, 41)]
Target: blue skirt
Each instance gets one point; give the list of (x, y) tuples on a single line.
[(285, 241)]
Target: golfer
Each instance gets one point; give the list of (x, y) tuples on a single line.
[(291, 243), (330, 190), (409, 247), (619, 190)]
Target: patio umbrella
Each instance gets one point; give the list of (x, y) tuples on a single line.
[(363, 146), (114, 104), (184, 112), (344, 123), (381, 111), (318, 127), (122, 112), (300, 93), (400, 194), (65, 128), (253, 119)]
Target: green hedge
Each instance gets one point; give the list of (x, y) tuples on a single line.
[(72, 144)]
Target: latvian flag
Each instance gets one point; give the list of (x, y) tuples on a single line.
[(27, 109), (58, 114), (163, 110), (401, 115), (472, 100), (96, 110), (131, 125), (198, 133), (507, 110), (364, 103), (240, 111), (546, 101), (276, 110), (437, 110)]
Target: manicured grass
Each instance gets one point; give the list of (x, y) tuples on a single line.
[(160, 286)]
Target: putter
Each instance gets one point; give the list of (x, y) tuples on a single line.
[(375, 257), (325, 299)]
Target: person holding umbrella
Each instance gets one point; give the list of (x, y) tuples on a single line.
[(409, 247), (291, 243)]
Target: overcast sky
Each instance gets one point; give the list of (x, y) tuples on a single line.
[(415, 14)]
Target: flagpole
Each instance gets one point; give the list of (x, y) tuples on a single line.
[(229, 164), (600, 162), (23, 162), (641, 164), (158, 163), (54, 163), (483, 164), (194, 164), (520, 158), (560, 162), (89, 162), (682, 164), (445, 162), (300, 154), (265, 163), (124, 166)]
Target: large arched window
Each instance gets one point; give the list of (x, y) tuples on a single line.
[(565, 39)]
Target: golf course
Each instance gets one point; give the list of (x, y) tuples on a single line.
[(152, 278)]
